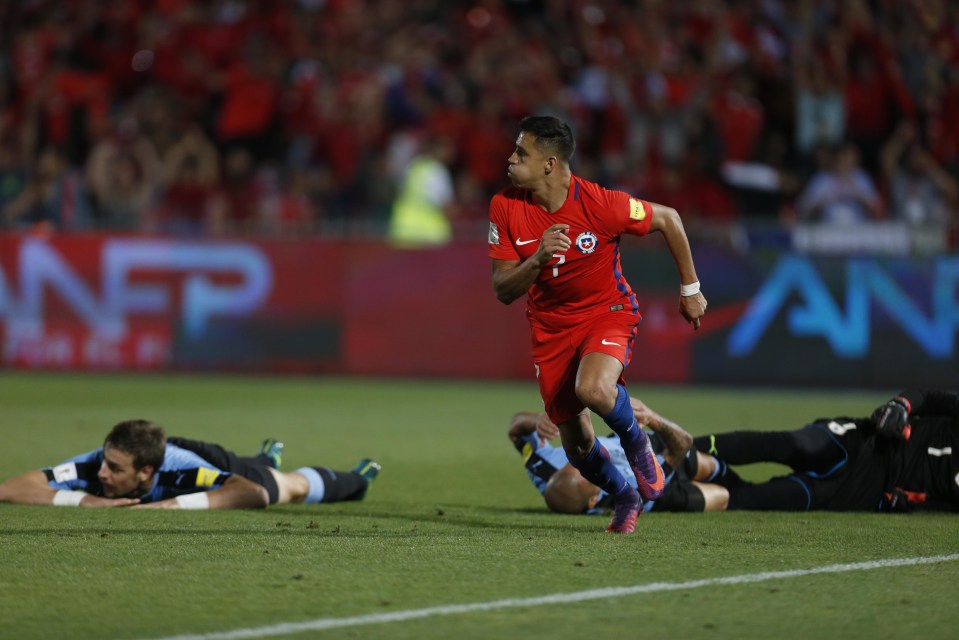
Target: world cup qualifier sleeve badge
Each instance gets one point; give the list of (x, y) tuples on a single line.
[(493, 233), (586, 242)]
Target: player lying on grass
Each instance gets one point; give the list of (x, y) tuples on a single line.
[(565, 490), (138, 466), (898, 459)]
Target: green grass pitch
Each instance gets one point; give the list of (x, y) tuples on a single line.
[(452, 540)]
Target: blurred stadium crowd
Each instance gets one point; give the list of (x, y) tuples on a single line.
[(292, 117)]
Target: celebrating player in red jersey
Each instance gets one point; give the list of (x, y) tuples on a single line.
[(556, 237)]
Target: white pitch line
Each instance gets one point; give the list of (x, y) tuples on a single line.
[(556, 598)]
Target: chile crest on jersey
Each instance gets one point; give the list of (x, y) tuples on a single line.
[(586, 242)]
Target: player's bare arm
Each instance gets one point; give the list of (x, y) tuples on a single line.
[(236, 493), (666, 220), (677, 440), (513, 278), (32, 488)]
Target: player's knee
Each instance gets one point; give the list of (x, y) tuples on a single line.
[(597, 397), (292, 487)]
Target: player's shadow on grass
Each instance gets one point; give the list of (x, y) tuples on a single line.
[(308, 520), (472, 517)]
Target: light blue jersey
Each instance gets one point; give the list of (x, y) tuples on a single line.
[(182, 472), (543, 460)]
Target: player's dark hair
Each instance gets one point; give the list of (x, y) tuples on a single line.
[(552, 134), (142, 439)]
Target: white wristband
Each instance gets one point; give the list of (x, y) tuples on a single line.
[(686, 290), (64, 498), (194, 500)]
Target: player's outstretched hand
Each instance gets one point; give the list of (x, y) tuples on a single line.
[(692, 308), (169, 503), (892, 420), (902, 501)]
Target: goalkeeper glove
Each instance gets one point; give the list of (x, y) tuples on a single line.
[(902, 501), (892, 419)]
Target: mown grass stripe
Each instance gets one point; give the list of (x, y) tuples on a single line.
[(556, 598)]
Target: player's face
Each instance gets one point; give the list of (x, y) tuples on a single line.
[(526, 163), (118, 475)]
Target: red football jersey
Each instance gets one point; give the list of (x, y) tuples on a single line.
[(587, 279)]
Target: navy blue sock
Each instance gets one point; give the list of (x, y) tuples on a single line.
[(623, 423), (600, 470)]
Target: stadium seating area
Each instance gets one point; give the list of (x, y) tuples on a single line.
[(291, 117)]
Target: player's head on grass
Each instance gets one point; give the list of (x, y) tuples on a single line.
[(132, 452), (569, 492)]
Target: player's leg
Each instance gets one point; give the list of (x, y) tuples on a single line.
[(587, 455), (704, 467), (784, 493), (606, 347), (293, 487), (683, 495), (556, 360), (599, 379), (321, 484), (810, 449), (715, 497)]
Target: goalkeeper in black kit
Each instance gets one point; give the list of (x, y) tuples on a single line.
[(899, 459)]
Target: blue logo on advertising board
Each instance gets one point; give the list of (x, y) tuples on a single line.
[(796, 286)]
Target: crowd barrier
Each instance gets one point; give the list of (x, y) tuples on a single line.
[(112, 302)]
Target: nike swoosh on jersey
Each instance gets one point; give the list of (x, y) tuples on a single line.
[(607, 342), (522, 242)]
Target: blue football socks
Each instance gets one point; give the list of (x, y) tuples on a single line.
[(623, 423), (600, 470)]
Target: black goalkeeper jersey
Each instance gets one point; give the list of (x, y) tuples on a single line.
[(926, 464)]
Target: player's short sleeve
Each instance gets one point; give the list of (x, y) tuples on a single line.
[(500, 246), (633, 215), (78, 473)]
